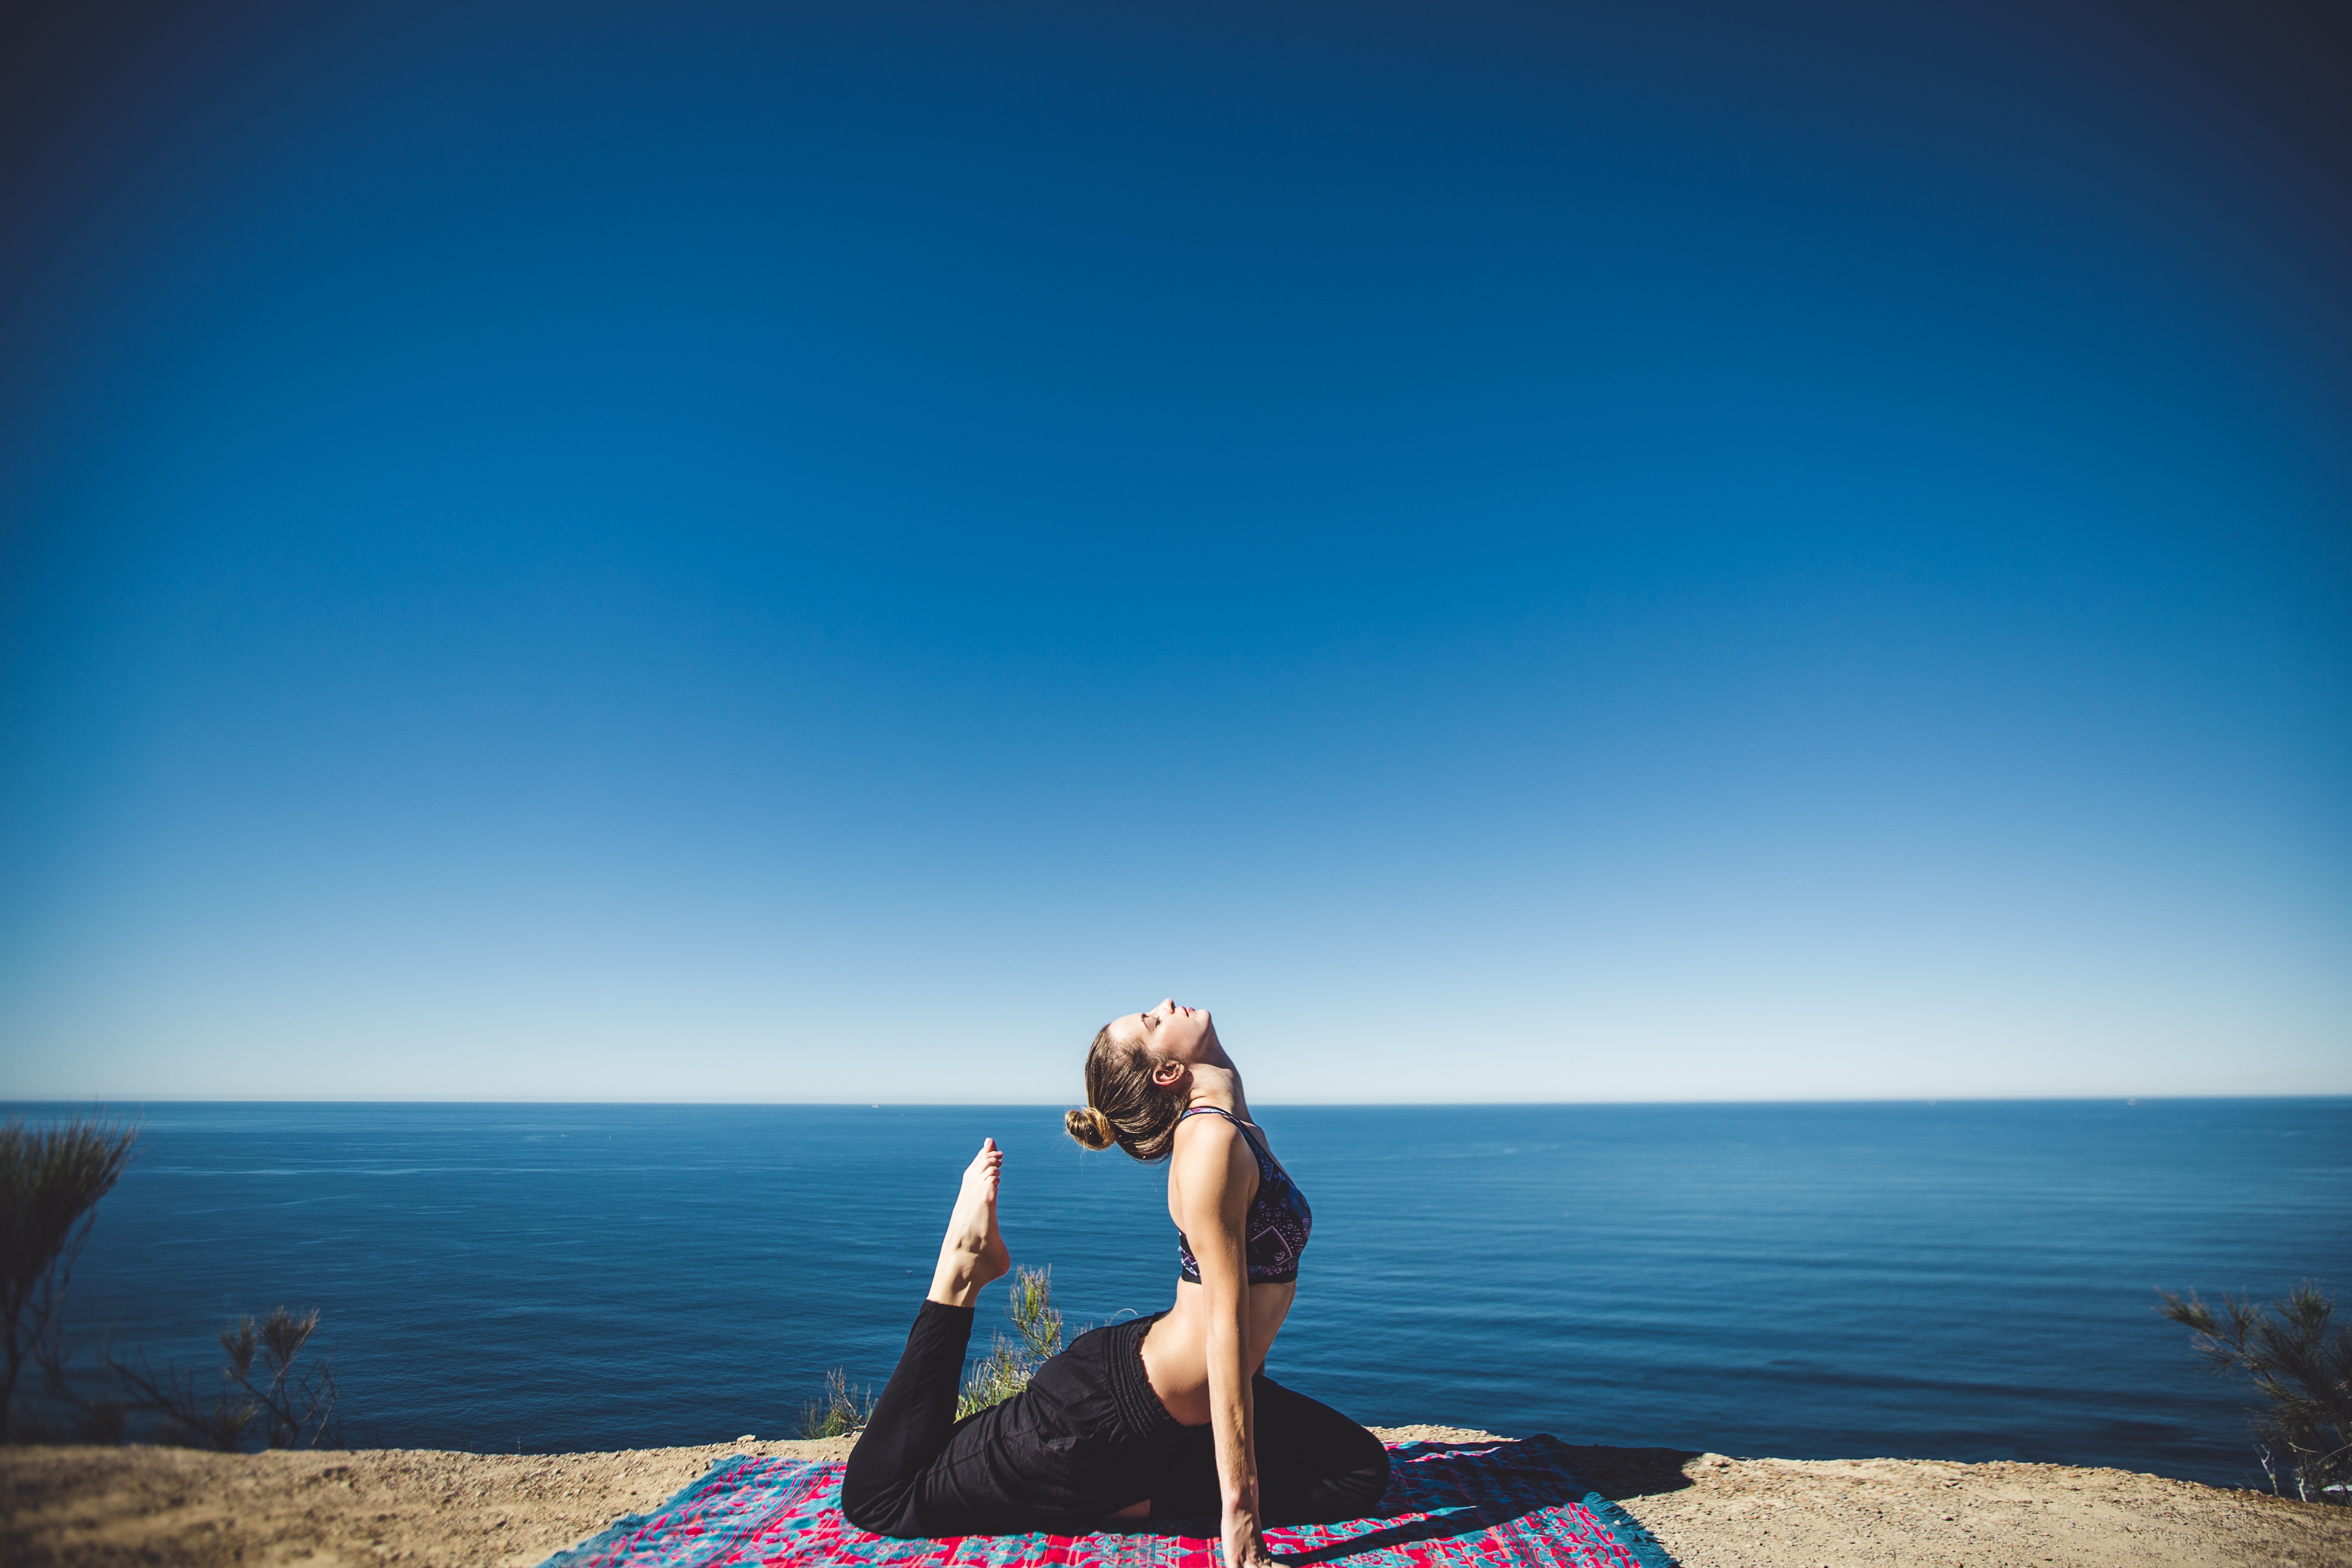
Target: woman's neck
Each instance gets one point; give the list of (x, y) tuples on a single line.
[(1219, 1087)]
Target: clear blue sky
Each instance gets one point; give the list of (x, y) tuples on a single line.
[(820, 551)]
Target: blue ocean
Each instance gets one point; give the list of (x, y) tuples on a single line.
[(1955, 1280)]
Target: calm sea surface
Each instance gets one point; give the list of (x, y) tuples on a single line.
[(1960, 1280)]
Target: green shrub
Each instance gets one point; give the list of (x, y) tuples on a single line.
[(2302, 1368), (50, 1182), (264, 1394), (1009, 1364), (270, 1393), (839, 1412), (994, 1378)]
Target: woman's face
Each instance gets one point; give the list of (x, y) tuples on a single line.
[(1171, 1033)]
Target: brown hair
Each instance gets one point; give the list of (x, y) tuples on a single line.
[(1123, 1105)]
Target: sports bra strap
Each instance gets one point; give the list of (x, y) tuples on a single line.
[(1249, 1128)]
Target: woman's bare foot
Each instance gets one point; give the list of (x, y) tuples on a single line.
[(972, 1254)]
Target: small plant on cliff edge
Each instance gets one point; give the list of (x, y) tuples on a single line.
[(263, 1394), (840, 1412), (2304, 1372), (1008, 1366), (994, 1378), (50, 1182)]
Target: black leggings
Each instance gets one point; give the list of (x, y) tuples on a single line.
[(1085, 1439)]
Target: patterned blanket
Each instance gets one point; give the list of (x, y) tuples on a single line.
[(1503, 1505)]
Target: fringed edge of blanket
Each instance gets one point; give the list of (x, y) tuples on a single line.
[(1631, 1533), (1641, 1545)]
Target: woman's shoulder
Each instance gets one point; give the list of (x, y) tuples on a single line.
[(1201, 1118), (1214, 1120), (1215, 1144)]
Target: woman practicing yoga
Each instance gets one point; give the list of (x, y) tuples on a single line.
[(1170, 1416)]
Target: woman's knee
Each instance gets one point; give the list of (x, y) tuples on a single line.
[(1364, 1480), (872, 1506), (1355, 1473), (1343, 1479), (878, 1516), (860, 1509)]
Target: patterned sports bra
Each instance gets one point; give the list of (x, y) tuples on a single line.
[(1274, 1231)]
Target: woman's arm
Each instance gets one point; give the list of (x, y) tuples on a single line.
[(1215, 1179)]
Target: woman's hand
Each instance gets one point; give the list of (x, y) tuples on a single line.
[(1245, 1544)]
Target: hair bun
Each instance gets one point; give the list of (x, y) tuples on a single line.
[(1089, 1127)]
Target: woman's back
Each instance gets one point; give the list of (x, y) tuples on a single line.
[(1176, 1351)]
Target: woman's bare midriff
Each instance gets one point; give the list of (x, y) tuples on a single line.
[(1176, 1349), (1176, 1354)]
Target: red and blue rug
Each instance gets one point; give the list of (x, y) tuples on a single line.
[(1503, 1505)]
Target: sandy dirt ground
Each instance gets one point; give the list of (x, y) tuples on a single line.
[(173, 1507), (1712, 1512)]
